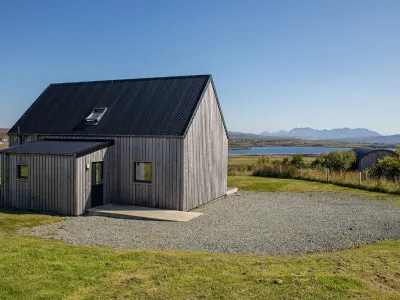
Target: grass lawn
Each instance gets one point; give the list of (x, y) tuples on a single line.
[(12, 220), (266, 184), (33, 268)]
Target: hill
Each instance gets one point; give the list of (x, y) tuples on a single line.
[(314, 134), (325, 134)]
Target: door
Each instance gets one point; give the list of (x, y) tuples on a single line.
[(97, 184)]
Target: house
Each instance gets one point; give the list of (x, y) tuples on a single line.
[(367, 157), (153, 142)]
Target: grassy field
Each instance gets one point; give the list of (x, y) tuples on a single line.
[(239, 160), (32, 268), (266, 184), (245, 165)]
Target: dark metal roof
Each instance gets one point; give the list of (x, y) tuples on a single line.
[(361, 152), (135, 107), (60, 147)]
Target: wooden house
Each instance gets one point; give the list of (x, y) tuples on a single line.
[(154, 142)]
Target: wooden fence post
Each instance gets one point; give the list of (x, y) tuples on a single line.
[(327, 174), (359, 178)]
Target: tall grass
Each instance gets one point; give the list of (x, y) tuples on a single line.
[(347, 179)]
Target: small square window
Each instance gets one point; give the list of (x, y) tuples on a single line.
[(22, 172), (143, 172)]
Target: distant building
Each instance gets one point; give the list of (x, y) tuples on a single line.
[(367, 157)]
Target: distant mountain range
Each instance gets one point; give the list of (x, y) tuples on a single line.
[(345, 134), (316, 134), (3, 130)]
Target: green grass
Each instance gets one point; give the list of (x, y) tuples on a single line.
[(12, 220), (240, 160), (266, 184), (46, 269), (33, 268)]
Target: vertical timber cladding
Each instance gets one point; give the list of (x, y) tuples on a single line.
[(164, 154), (205, 154), (372, 158), (49, 186), (166, 158), (83, 179)]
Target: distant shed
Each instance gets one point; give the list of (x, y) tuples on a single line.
[(367, 157)]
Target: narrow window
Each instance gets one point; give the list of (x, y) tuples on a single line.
[(22, 172), (95, 116), (97, 169), (143, 172)]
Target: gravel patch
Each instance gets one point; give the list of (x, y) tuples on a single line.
[(246, 222)]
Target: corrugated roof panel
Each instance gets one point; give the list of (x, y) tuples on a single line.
[(143, 107)]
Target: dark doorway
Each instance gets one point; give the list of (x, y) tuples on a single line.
[(97, 184)]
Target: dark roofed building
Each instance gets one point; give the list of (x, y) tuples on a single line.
[(156, 142), (367, 157)]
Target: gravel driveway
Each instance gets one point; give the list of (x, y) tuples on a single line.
[(247, 222)]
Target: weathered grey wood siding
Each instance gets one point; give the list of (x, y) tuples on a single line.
[(84, 179), (2, 204), (28, 138), (370, 159), (49, 187), (205, 154), (166, 156)]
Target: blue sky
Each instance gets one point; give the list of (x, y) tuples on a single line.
[(276, 64)]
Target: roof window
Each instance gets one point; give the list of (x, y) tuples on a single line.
[(96, 115)]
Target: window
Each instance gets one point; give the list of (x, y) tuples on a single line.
[(97, 169), (95, 116), (143, 172), (22, 172)]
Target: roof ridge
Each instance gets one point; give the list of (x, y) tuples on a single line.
[(133, 79)]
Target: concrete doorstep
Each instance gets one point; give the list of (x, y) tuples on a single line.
[(231, 190), (138, 212)]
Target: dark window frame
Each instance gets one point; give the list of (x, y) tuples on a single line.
[(19, 177), (135, 180)]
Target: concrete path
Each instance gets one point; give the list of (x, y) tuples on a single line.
[(138, 212), (231, 190)]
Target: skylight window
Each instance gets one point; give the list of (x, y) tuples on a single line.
[(96, 115)]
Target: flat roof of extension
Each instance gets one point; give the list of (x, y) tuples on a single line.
[(75, 148)]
